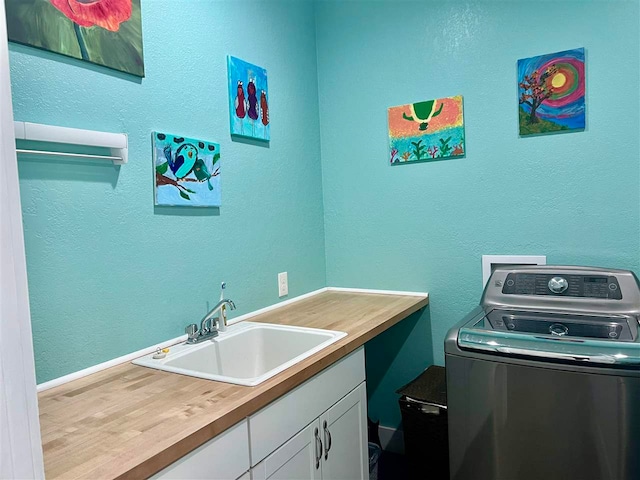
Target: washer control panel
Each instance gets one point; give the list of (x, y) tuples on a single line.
[(590, 286)]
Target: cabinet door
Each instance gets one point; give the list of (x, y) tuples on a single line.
[(299, 458), (344, 436), (225, 456)]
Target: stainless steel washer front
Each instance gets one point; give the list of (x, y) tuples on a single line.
[(545, 384)]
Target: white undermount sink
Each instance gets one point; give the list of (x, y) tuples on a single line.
[(248, 353)]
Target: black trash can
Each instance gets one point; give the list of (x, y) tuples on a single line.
[(424, 421)]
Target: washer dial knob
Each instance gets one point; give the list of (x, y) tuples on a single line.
[(558, 284)]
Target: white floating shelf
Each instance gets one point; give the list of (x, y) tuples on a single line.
[(117, 142)]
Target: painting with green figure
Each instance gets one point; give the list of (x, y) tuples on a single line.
[(186, 171), (426, 131), (104, 32)]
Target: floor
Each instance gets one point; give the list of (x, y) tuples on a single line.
[(392, 466)]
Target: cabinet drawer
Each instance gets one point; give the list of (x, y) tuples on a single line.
[(221, 458), (282, 419)]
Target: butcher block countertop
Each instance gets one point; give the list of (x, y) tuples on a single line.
[(131, 422)]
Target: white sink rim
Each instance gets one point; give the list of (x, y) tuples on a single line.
[(182, 349)]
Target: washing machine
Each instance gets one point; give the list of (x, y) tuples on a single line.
[(543, 377)]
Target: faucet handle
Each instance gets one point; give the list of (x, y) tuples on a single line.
[(191, 331)]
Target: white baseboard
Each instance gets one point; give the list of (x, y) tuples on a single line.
[(111, 363), (391, 439), (275, 306), (384, 292), (145, 351)]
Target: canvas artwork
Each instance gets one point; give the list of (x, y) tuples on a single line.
[(248, 99), (186, 171), (105, 32), (551, 92), (427, 131)]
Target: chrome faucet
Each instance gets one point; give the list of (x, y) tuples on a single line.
[(208, 328)]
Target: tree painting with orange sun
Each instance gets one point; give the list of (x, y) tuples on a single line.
[(551, 92)]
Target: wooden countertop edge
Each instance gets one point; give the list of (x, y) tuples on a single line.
[(282, 385)]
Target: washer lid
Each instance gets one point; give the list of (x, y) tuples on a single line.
[(617, 328), (609, 339)]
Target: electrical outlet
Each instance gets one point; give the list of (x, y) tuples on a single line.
[(283, 284)]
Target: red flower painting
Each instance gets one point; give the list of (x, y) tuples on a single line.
[(107, 14), (107, 32)]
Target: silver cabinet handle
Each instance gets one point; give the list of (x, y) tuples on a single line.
[(327, 440), (318, 448)]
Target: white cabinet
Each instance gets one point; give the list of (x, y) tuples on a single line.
[(317, 431), (344, 434), (221, 458), (283, 418), (332, 447)]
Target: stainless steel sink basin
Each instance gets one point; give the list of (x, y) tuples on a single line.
[(247, 353)]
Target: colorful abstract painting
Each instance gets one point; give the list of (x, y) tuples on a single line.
[(248, 99), (551, 92), (426, 131), (186, 171), (105, 32)]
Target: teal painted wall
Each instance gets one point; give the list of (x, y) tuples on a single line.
[(573, 197), (109, 273)]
